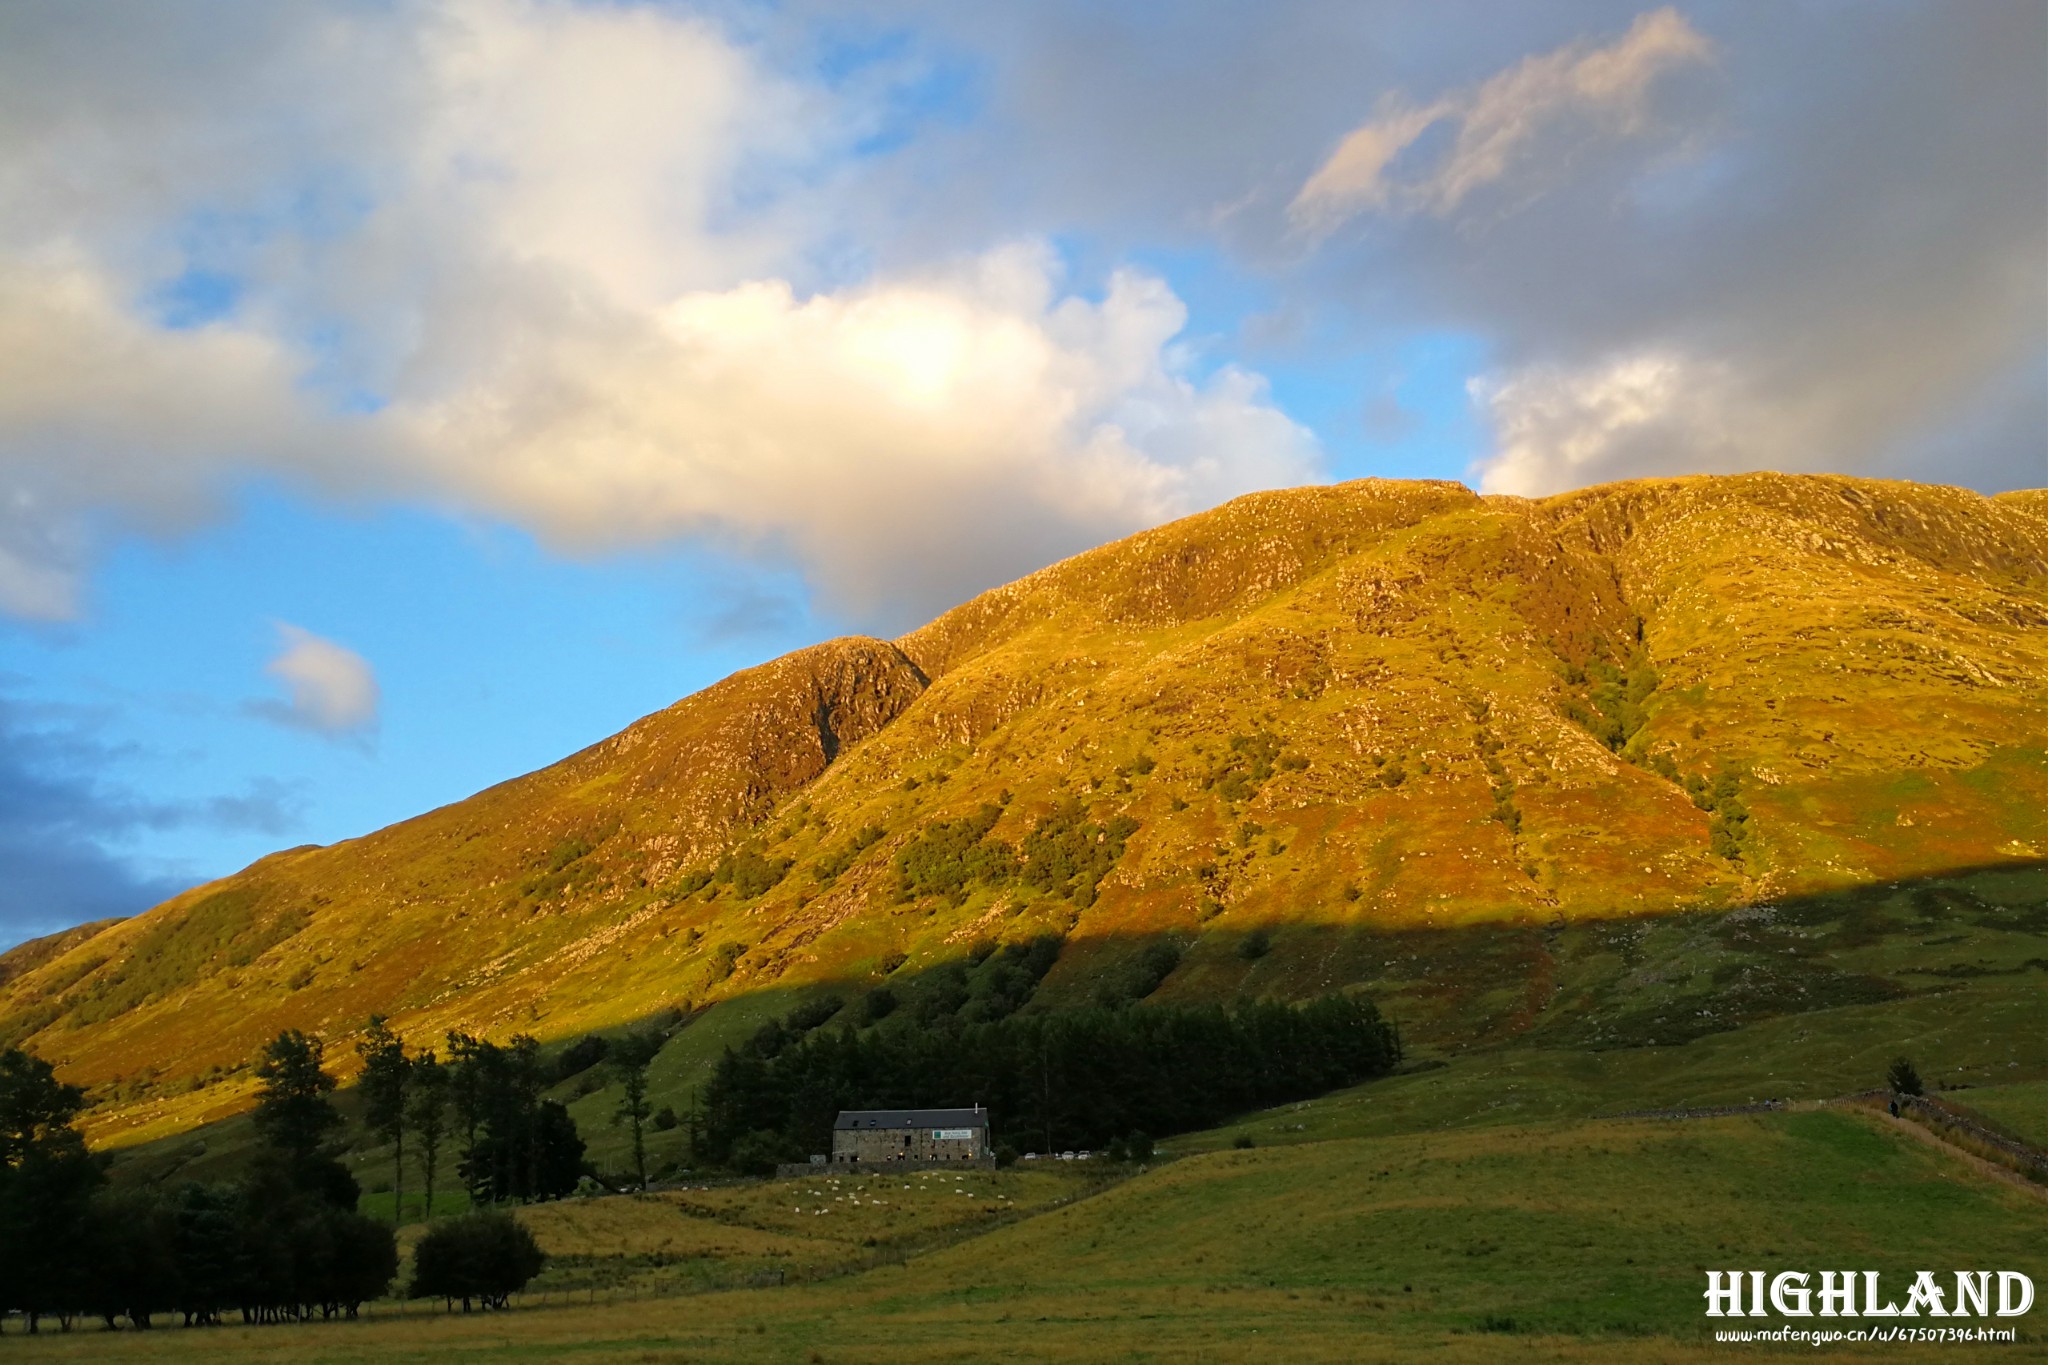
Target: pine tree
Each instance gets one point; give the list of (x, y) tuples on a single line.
[(629, 1061), (427, 1111), (295, 1118), (386, 1077), (46, 1182)]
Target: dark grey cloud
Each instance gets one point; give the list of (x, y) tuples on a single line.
[(1823, 246), (63, 823), (1839, 261)]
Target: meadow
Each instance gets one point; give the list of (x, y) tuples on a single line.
[(1575, 1240)]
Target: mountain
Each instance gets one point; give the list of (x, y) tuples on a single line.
[(1264, 735)]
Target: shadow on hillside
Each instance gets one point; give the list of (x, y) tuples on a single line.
[(1652, 981), (1589, 986)]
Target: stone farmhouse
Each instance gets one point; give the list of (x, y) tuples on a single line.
[(873, 1136)]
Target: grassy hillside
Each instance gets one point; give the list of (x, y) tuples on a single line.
[(1453, 748), (1568, 1241)]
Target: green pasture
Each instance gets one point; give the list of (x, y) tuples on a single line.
[(1577, 1240)]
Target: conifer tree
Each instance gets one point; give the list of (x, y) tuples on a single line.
[(295, 1118), (629, 1061), (46, 1182), (427, 1111), (386, 1078)]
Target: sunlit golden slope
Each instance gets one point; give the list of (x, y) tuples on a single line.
[(1354, 707)]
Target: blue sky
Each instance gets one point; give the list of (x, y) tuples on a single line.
[(396, 397)]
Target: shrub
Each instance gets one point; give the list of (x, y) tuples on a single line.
[(812, 1013), (581, 1055), (1143, 974), (1244, 1142), (1256, 945), (1250, 763), (758, 1153), (840, 859), (665, 1118), (950, 856), (751, 874), (482, 1256), (1902, 1078), (1067, 855)]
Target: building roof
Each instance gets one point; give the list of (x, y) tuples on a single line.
[(882, 1119)]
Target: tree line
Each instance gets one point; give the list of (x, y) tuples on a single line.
[(515, 1145), (1055, 1081), (285, 1242)]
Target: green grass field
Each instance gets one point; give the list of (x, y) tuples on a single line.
[(1556, 1240), (2020, 1109)]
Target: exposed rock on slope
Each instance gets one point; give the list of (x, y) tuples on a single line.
[(1352, 708)]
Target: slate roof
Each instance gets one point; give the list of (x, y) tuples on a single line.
[(883, 1119)]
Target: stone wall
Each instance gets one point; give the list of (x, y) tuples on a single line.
[(795, 1169), (893, 1145)]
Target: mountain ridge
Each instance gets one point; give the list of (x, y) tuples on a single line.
[(1361, 708)]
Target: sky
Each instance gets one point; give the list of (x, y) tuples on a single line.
[(396, 397)]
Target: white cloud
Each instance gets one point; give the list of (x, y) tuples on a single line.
[(1556, 428), (103, 412), (1644, 413), (567, 251), (1504, 121), (332, 689), (901, 437)]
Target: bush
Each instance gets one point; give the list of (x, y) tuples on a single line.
[(1244, 1142), (1142, 974), (1901, 1078), (751, 874), (1256, 945), (1067, 855), (836, 862), (879, 1005), (665, 1118), (758, 1153), (949, 856), (581, 1055), (487, 1257), (812, 1013)]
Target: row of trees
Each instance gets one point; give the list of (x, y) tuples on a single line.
[(285, 1242), (515, 1144), (1072, 1079)]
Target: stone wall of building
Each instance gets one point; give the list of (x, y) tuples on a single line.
[(875, 1145), (790, 1169)]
